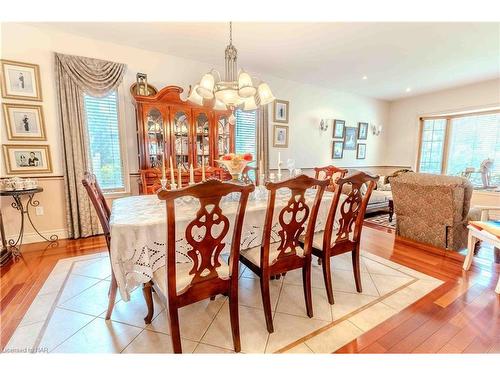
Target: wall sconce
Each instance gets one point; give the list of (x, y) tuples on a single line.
[(376, 129), (324, 123)]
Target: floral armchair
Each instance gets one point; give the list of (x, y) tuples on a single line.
[(433, 209)]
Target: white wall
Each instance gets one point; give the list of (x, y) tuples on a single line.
[(402, 132), (308, 104)]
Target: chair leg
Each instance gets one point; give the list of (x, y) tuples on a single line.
[(306, 282), (147, 291), (356, 270), (112, 296), (173, 314), (235, 320), (327, 276), (266, 302)]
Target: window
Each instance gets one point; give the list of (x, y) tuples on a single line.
[(432, 145), (246, 134), (474, 139), (470, 140), (104, 141)]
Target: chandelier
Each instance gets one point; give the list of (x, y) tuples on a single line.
[(237, 90)]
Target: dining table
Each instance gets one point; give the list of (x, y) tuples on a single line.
[(138, 230)]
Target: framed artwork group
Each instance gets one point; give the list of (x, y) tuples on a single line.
[(20, 81), (280, 115), (349, 139)]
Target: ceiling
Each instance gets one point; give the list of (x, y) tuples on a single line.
[(397, 59)]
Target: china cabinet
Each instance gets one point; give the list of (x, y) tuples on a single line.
[(186, 132)]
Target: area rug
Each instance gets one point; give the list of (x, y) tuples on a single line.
[(67, 316), (382, 220)]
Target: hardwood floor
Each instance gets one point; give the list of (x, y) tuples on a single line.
[(462, 315), (21, 281)]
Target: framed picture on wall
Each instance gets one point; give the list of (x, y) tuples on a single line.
[(27, 159), (361, 151), (362, 130), (20, 80), (24, 122), (338, 128), (338, 150), (280, 112), (350, 138), (280, 136)]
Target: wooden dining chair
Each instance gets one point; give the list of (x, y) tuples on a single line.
[(329, 172), (347, 235), (181, 284), (103, 213), (150, 180), (296, 218)]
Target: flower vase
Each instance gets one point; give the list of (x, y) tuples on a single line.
[(234, 167)]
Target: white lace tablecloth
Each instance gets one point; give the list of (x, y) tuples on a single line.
[(138, 231)]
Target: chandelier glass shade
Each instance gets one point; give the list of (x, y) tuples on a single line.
[(237, 90)]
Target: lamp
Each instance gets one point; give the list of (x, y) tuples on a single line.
[(194, 97), (324, 123), (245, 87), (206, 87), (236, 90), (376, 129)]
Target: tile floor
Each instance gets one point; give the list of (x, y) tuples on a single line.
[(67, 316)]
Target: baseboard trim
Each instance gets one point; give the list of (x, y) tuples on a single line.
[(33, 237)]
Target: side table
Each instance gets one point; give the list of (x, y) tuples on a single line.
[(11, 247)]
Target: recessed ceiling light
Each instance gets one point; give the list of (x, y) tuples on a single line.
[(365, 77), (408, 89)]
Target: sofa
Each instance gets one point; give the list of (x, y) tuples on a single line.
[(380, 199), (433, 209)]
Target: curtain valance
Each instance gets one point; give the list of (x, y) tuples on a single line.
[(93, 76)]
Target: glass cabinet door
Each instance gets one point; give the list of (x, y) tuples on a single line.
[(180, 131), (223, 136), (155, 137), (202, 139)]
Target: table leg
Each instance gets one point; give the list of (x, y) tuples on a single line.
[(471, 241), (24, 210), (35, 203), (497, 289), (5, 253), (16, 245)]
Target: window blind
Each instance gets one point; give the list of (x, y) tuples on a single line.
[(104, 141), (472, 140), (432, 145), (246, 134)]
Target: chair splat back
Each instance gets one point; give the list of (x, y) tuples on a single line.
[(353, 208), (293, 217), (207, 231), (98, 201), (150, 180), (331, 173)]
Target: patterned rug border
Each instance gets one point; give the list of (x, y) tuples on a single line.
[(388, 263)]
